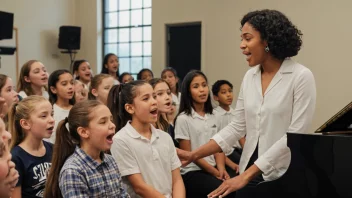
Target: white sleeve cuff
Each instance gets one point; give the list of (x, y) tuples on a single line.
[(275, 161), (181, 137), (223, 145), (130, 172), (264, 165), (176, 165)]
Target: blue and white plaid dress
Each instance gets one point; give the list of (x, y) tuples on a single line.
[(81, 176)]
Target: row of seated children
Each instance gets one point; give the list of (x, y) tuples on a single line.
[(66, 80), (43, 109)]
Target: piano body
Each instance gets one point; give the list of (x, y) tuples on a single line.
[(321, 163)]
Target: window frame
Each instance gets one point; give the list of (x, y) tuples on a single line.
[(130, 57)]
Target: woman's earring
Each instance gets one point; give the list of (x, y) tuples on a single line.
[(266, 49)]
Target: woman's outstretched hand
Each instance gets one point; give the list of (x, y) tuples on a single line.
[(185, 157), (236, 183), (229, 186)]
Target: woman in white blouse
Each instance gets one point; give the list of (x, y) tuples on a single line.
[(277, 96)]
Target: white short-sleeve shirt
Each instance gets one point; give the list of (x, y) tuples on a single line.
[(223, 118), (288, 105), (154, 159), (116, 82), (45, 94), (176, 99), (198, 130)]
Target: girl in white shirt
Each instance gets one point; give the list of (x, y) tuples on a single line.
[(277, 96), (146, 156), (194, 126), (82, 72), (61, 92), (169, 74), (33, 80), (111, 66)]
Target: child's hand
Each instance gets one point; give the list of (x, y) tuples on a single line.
[(214, 172), (185, 157), (223, 175), (235, 167), (12, 177)]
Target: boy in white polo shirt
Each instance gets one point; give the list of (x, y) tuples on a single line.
[(223, 94), (146, 156)]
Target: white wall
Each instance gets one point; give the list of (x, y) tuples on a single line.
[(38, 24), (326, 42), (88, 15)]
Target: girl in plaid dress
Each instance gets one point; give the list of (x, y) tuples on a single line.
[(80, 168)]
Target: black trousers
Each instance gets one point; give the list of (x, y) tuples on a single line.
[(250, 191), (199, 184)]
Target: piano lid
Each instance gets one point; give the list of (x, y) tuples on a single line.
[(341, 121)]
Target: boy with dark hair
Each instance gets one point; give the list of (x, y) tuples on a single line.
[(224, 113)]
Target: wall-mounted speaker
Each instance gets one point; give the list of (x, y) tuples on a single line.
[(6, 25), (70, 37)]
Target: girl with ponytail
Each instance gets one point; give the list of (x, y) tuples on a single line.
[(145, 155), (79, 166), (30, 121)]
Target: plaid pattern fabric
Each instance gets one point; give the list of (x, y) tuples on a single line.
[(81, 176)]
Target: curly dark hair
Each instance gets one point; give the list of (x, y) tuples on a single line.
[(283, 38)]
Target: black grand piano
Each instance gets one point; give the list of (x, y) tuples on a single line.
[(321, 163)]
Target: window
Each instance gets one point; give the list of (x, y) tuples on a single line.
[(127, 33)]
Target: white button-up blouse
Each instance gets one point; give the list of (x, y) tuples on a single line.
[(288, 105)]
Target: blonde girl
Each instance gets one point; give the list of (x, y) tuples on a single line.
[(30, 121)]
